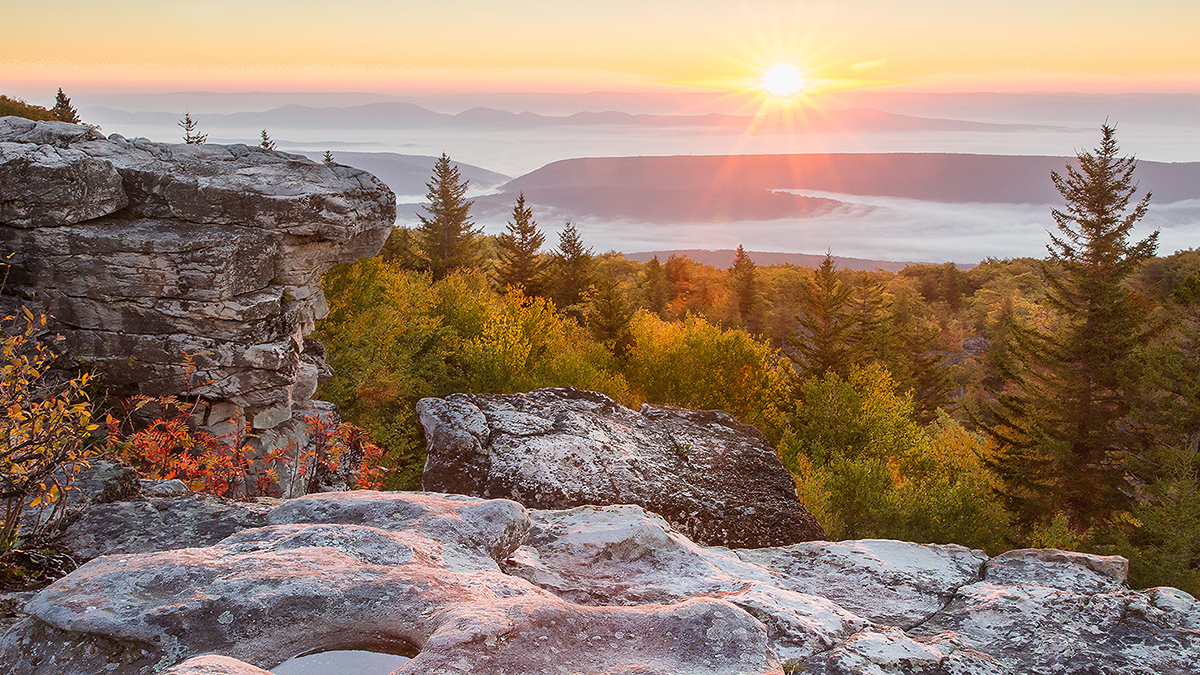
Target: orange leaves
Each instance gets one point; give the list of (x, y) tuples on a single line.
[(45, 432), (171, 446)]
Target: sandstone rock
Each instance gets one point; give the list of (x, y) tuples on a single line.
[(79, 187), (215, 665), (890, 582), (621, 555), (1064, 570), (100, 482), (365, 570), (143, 252), (482, 587), (158, 524), (164, 488), (714, 479)]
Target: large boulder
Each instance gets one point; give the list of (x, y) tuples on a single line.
[(145, 252), (485, 587), (714, 479)]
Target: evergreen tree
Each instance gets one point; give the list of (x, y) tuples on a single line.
[(656, 288), (63, 112), (608, 316), (401, 249), (447, 236), (744, 285), (519, 263), (328, 158), (189, 130), (1068, 439), (573, 270), (267, 143), (823, 342)]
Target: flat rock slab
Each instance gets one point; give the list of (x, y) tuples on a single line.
[(716, 480), (158, 524), (365, 570), (485, 587)]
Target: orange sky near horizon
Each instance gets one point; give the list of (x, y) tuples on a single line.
[(574, 45)]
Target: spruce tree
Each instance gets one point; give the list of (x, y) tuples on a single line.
[(446, 235), (823, 342), (1064, 421), (744, 285), (327, 158), (656, 288), (189, 130), (267, 143), (573, 270), (608, 316), (63, 112), (520, 264), (401, 249)]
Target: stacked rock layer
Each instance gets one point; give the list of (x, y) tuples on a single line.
[(145, 252)]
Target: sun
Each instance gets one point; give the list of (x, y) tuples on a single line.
[(782, 80)]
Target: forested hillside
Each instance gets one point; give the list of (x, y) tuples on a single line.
[(1022, 402)]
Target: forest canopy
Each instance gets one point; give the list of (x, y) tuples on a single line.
[(933, 404)]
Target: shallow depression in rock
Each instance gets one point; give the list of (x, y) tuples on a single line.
[(340, 662)]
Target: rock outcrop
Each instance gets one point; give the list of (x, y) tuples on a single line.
[(145, 251), (471, 586), (713, 478)]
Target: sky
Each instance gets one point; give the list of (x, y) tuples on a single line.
[(583, 45)]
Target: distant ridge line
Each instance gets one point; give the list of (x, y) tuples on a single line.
[(722, 259)]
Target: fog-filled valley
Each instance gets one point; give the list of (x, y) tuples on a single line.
[(937, 177)]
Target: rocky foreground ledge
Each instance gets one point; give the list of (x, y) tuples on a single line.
[(473, 586)]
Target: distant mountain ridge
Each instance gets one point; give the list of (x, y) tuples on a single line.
[(723, 259), (406, 175), (397, 114), (939, 177)]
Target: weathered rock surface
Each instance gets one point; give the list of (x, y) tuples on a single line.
[(366, 570), (143, 251), (714, 479), (158, 524), (473, 586)]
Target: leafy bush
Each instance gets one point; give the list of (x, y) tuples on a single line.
[(172, 447), (19, 108), (695, 364), (46, 431), (865, 468)]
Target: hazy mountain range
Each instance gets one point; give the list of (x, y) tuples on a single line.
[(400, 115)]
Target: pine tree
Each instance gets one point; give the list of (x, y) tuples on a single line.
[(1068, 439), (447, 235), (189, 130), (656, 288), (63, 112), (520, 264), (573, 270), (744, 285), (267, 143), (328, 158)]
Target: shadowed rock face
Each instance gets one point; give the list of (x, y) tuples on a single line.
[(714, 479), (485, 587), (142, 250)]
